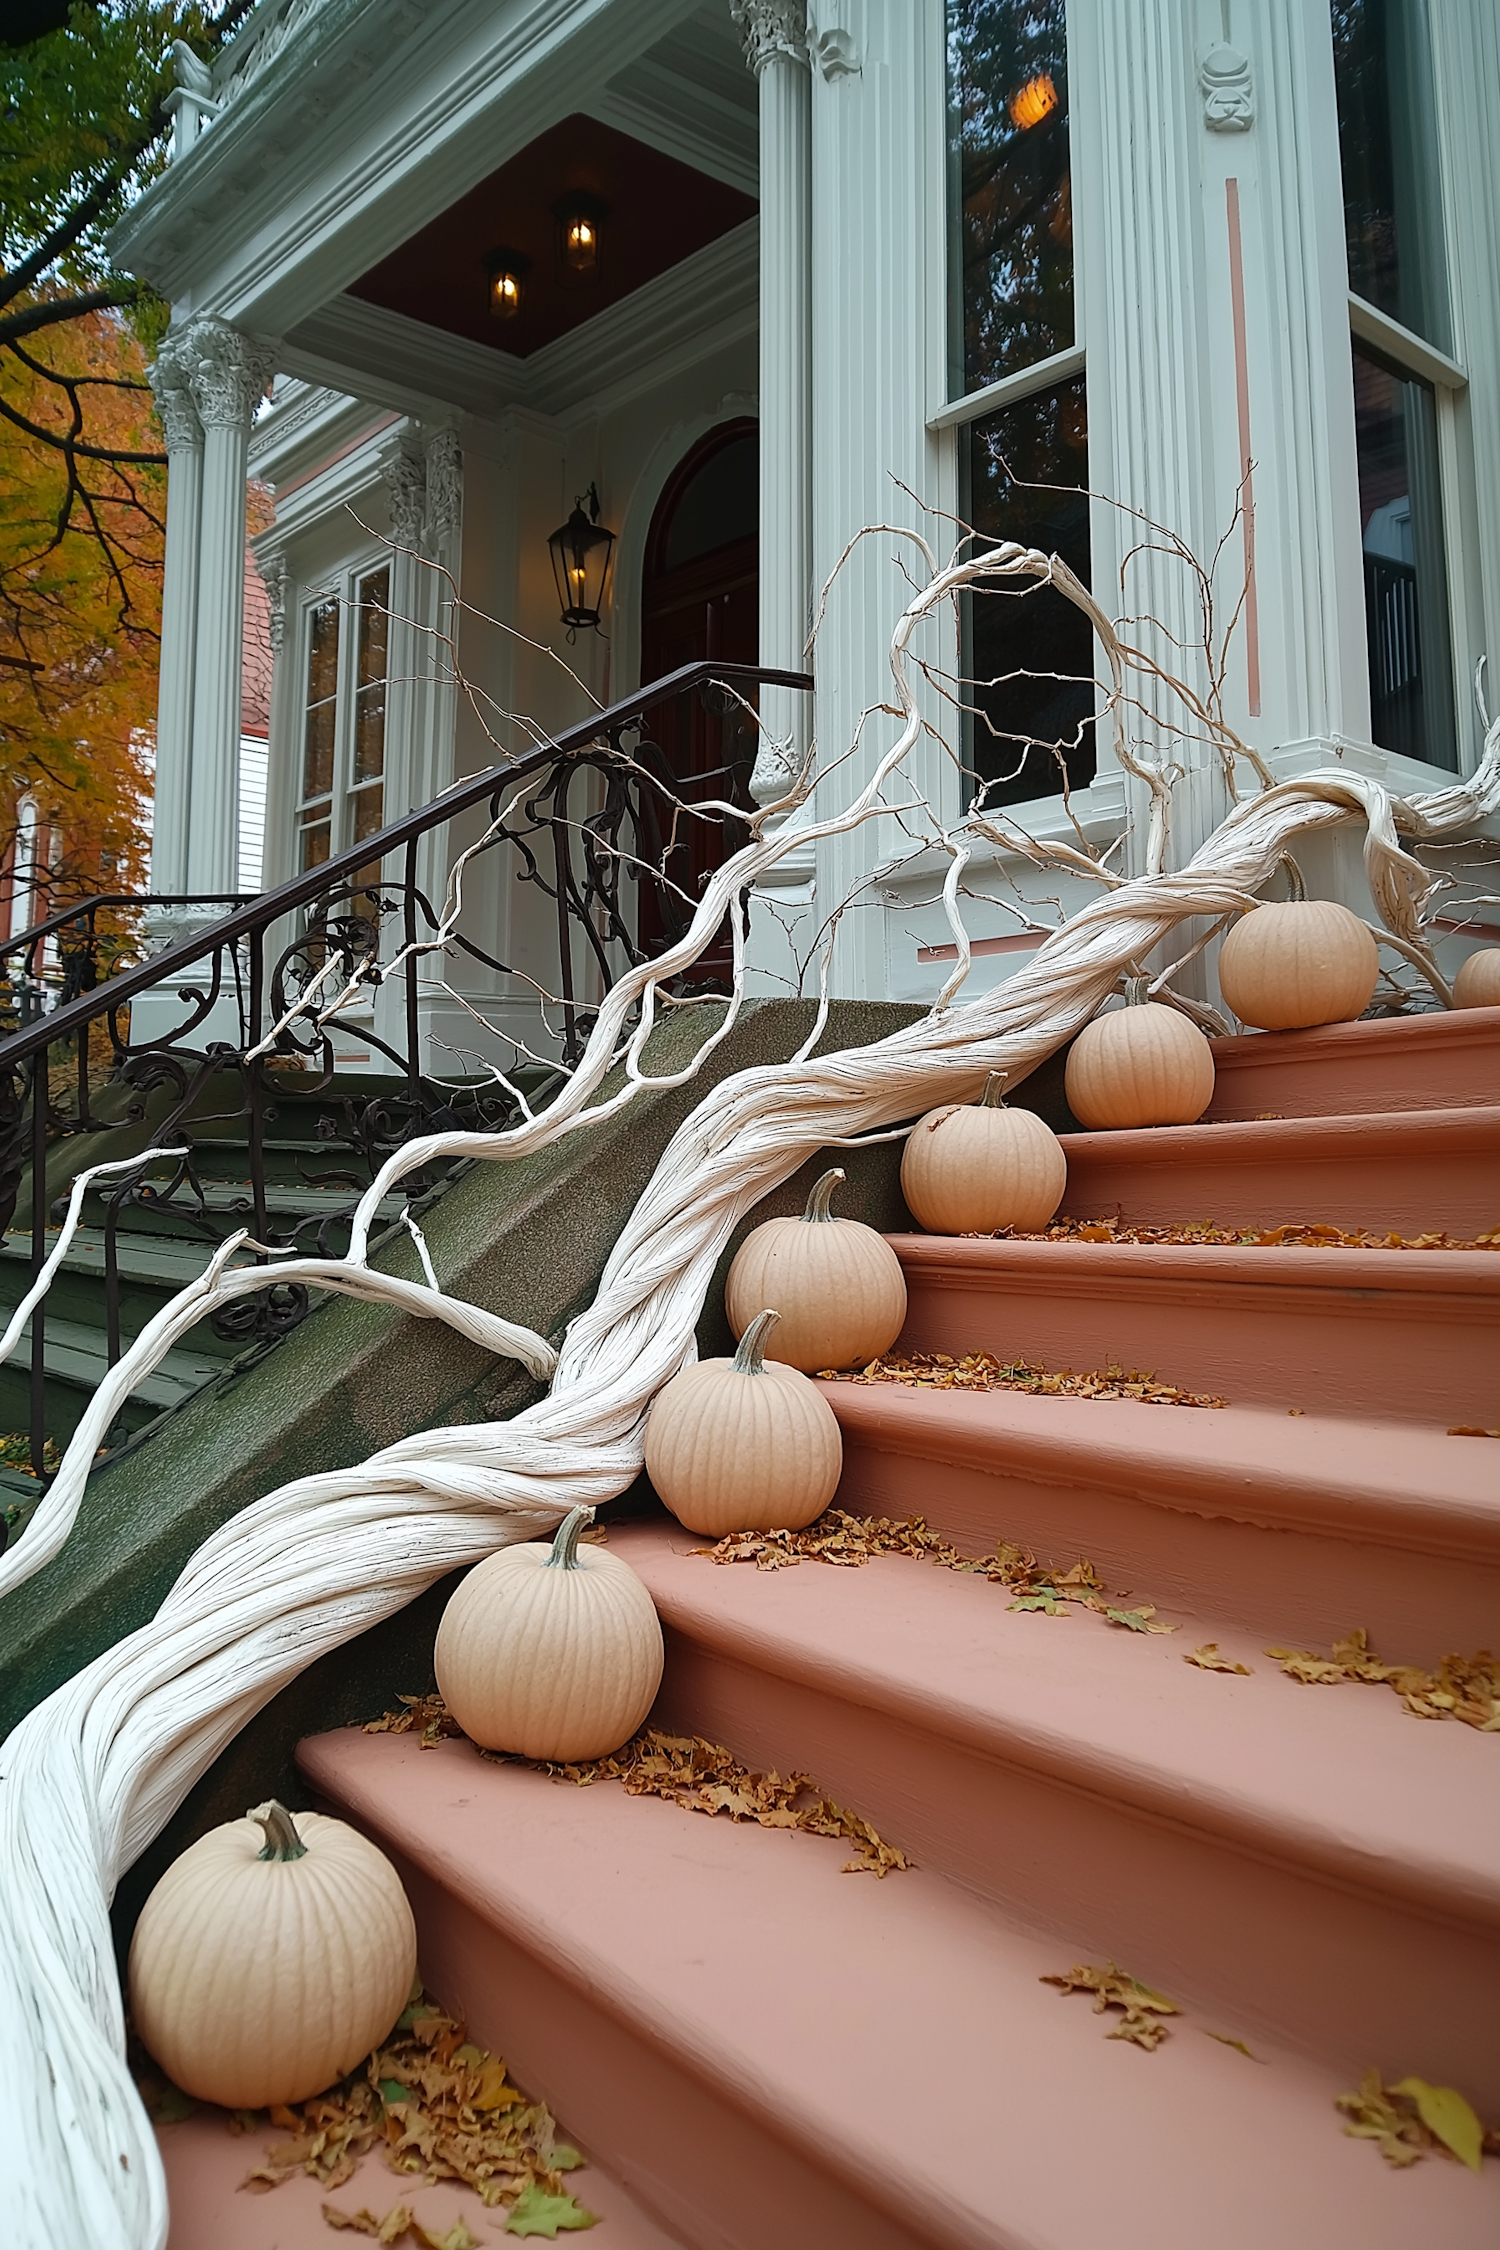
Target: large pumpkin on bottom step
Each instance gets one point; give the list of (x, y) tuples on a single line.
[(837, 1285), (550, 1651), (1302, 962), (1144, 1064), (743, 1444), (270, 1958), (972, 1169), (1477, 984)]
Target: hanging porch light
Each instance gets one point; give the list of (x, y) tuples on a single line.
[(507, 271), (579, 220), (581, 550)]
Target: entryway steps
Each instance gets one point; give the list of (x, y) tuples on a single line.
[(1296, 1527), (1403, 1335), (1414, 1171), (1443, 1060), (767, 2051)]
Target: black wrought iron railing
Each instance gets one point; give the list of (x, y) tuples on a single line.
[(579, 860)]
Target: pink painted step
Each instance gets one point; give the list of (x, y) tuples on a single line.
[(1442, 1061), (1416, 1171), (1296, 1528), (205, 2164), (1411, 1336), (1262, 1843), (767, 2051)]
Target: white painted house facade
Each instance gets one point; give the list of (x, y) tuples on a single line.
[(924, 259)]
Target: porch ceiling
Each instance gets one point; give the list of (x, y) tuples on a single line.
[(658, 212)]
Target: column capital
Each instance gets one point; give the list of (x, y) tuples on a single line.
[(445, 486), (168, 376), (403, 471), (228, 371), (771, 28)]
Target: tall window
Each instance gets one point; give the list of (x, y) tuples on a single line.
[(1023, 426), (1399, 300), (343, 735)]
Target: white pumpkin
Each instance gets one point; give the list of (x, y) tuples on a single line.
[(1298, 962), (1143, 1064), (970, 1169), (550, 1652), (1477, 984), (270, 1958), (743, 1444), (837, 1284)]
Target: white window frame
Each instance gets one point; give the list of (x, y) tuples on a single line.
[(342, 586)]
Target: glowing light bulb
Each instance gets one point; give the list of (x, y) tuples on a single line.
[(1036, 99)]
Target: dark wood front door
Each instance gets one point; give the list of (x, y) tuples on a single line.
[(700, 600)]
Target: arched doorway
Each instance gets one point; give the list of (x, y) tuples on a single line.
[(700, 599)]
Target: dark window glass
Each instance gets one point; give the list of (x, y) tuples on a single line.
[(1382, 57), (1028, 656), (720, 506), (1406, 582), (317, 750), (1012, 223), (322, 690), (315, 845)]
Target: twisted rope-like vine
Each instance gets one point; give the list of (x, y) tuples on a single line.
[(93, 1774)]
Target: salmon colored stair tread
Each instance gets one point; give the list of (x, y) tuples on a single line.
[(1432, 1061), (1340, 1777), (205, 2164), (1409, 1171), (892, 2037), (1411, 1334)]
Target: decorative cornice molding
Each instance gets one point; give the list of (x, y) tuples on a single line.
[(771, 28), (1228, 88), (227, 372)]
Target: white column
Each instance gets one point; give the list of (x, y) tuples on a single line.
[(179, 616), (229, 373), (879, 324)]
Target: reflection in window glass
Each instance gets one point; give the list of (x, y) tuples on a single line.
[(1012, 221), (1382, 55), (1028, 657), (322, 708), (1406, 583), (369, 714)]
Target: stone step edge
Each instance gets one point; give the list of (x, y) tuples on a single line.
[(971, 1261), (1463, 1889), (1258, 1474), (1361, 1134)]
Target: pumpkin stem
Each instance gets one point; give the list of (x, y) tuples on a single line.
[(564, 1555), (751, 1354), (1137, 991), (282, 1840), (1295, 886), (993, 1096), (817, 1203)]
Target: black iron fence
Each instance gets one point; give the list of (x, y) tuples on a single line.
[(194, 1060)]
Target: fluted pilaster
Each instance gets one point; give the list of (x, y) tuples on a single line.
[(179, 620)]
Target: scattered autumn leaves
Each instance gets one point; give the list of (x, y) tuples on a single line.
[(701, 1776), (1141, 2009), (1412, 2119), (1462, 1687), (1317, 1236), (848, 1541), (982, 1371)]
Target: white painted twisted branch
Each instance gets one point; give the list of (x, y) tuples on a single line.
[(94, 1773)]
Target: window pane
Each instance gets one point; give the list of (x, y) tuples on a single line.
[(366, 805), (369, 733), (315, 845), (1382, 58), (1012, 219), (374, 625), (317, 750), (1406, 582), (323, 652), (1043, 442)]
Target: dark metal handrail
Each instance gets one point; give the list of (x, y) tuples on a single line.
[(611, 823), (83, 909), (347, 868)]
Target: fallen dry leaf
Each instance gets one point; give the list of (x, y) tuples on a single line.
[(1238, 2044), (1316, 1236), (1471, 1429), (1412, 2119), (1141, 2008), (848, 1541), (981, 1371), (1463, 1687), (537, 2212), (1208, 1659)]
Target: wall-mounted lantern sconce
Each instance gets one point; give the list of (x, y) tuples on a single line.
[(579, 219), (507, 271), (581, 549)]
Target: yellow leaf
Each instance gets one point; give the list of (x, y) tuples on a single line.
[(1447, 2117), (494, 2092)]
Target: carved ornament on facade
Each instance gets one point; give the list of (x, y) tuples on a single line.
[(1228, 89), (273, 569), (445, 487), (228, 371), (403, 472), (771, 28), (836, 52), (169, 377)]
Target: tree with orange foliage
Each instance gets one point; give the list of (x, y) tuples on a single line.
[(81, 545)]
